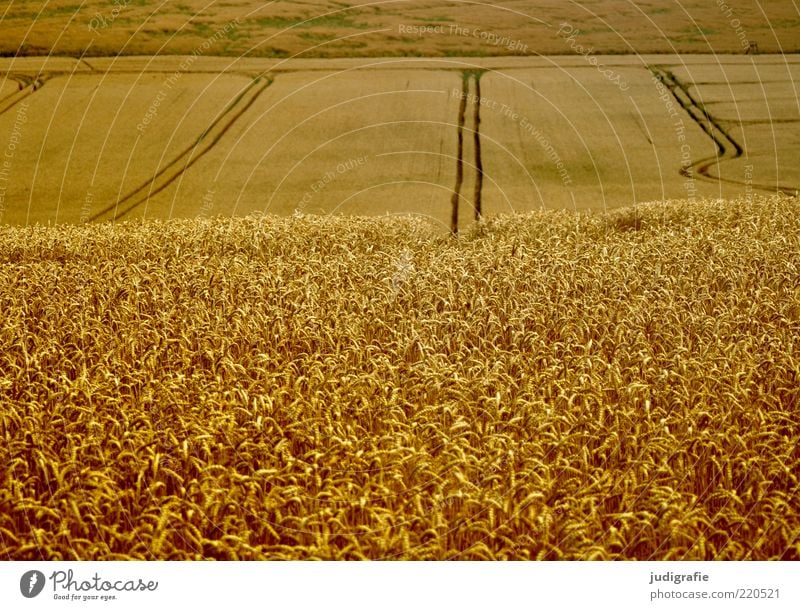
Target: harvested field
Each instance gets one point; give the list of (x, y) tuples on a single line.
[(778, 70), (89, 142), (8, 88), (116, 138), (548, 386), (346, 142), (573, 137), (758, 109)]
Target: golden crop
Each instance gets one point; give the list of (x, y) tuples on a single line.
[(549, 386)]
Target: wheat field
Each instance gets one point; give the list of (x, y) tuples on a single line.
[(547, 386)]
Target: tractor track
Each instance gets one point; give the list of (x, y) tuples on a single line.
[(477, 193), (28, 85), (186, 159), (475, 100), (728, 148), (455, 199)]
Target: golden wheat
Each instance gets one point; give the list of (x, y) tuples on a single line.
[(546, 387)]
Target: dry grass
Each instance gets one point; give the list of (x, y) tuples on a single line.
[(550, 386)]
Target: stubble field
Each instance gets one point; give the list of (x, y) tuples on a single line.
[(114, 138), (127, 110)]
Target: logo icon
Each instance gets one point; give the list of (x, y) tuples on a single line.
[(31, 583)]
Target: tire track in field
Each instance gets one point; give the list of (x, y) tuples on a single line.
[(728, 148), (28, 85), (454, 200), (477, 193), (186, 159), (468, 97)]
